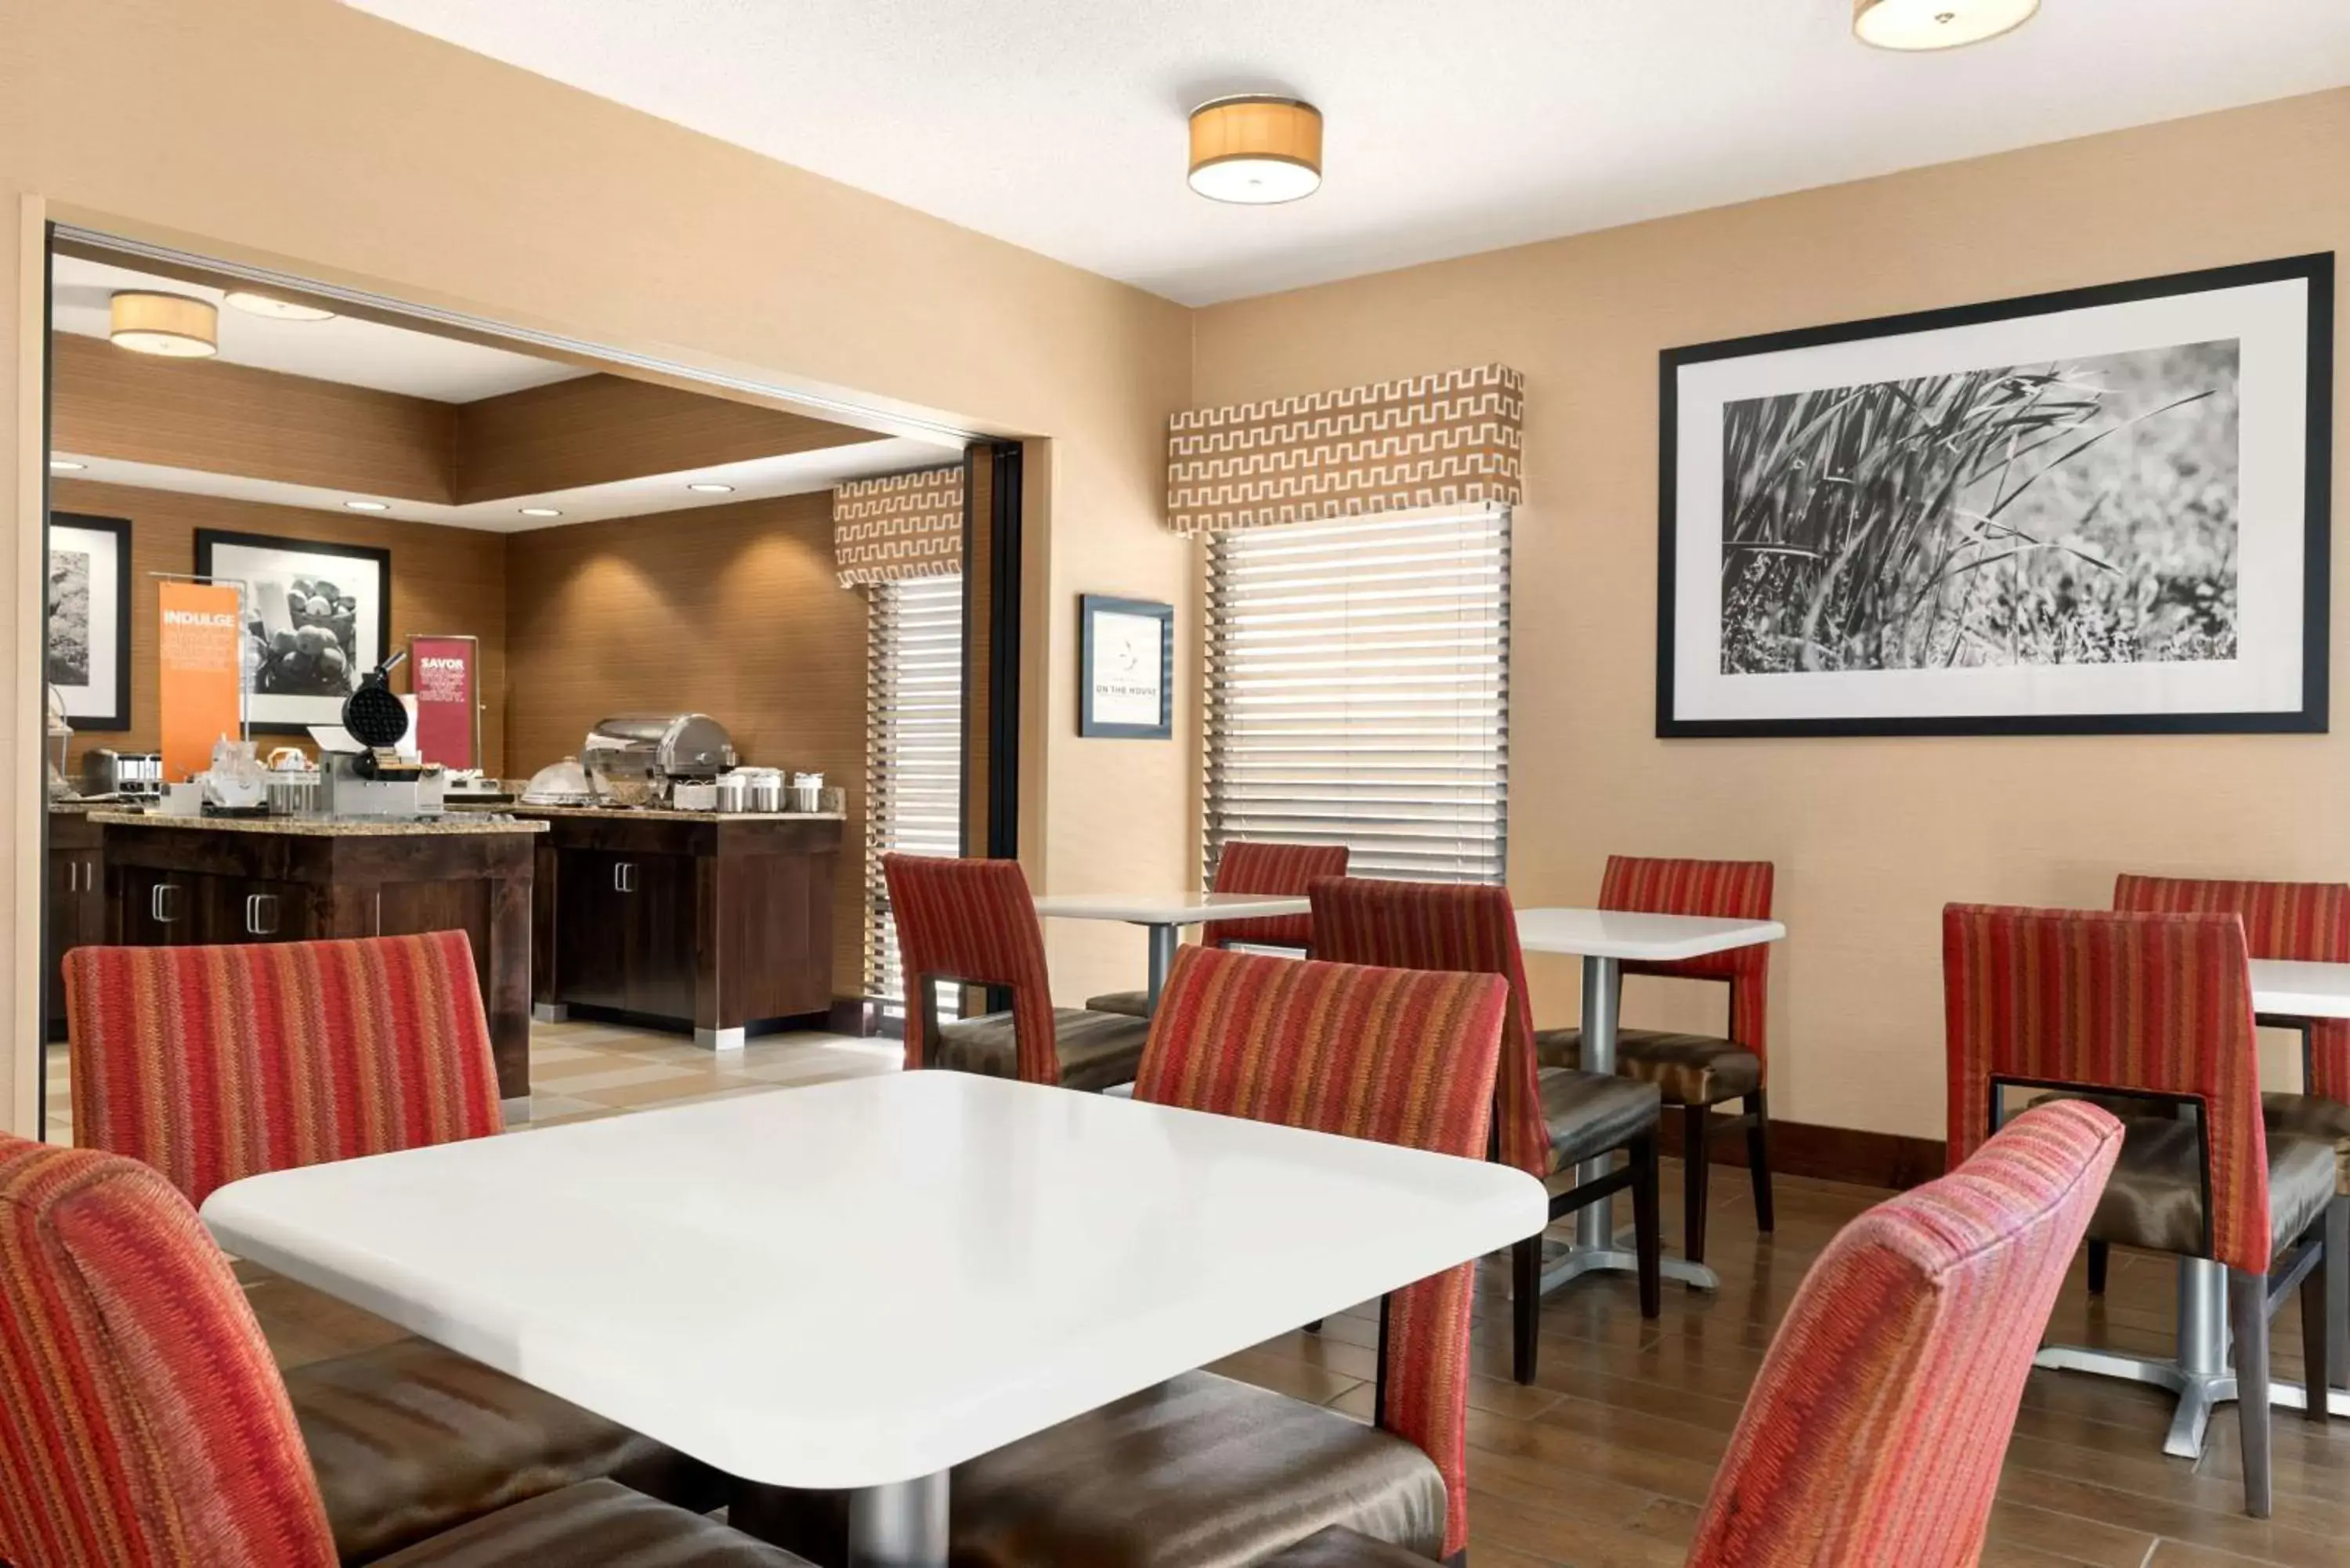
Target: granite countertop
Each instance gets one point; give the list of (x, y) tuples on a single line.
[(321, 828), (665, 814)]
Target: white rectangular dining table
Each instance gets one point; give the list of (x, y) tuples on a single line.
[(859, 1285), (1165, 914), (2200, 1372), (1605, 939)]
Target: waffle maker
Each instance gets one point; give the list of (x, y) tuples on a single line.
[(377, 719)]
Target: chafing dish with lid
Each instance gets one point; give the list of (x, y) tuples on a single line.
[(633, 759)]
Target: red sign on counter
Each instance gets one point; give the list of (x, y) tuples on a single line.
[(442, 674)]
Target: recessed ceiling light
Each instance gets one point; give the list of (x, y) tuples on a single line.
[(66, 465), (274, 308), (709, 487), (1256, 148), (538, 511), (1917, 25), (175, 326), (369, 505)]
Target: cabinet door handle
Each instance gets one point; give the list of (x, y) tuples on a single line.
[(631, 869), (619, 880), (256, 906), (165, 904)]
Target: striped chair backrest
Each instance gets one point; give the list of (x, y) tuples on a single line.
[(1250, 866), (1875, 1430), (1402, 1056), (973, 921), (146, 1426), (1468, 927), (1729, 889), (2094, 1000), (2305, 920), (211, 1063)]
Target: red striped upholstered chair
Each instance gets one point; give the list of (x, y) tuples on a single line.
[(974, 922), (147, 1426), (2158, 1007), (1205, 1470), (1549, 1119), (212, 1064), (1253, 866), (1875, 1431), (1697, 1072), (2309, 921)]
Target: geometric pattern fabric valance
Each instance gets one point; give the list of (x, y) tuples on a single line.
[(1446, 440), (904, 525)]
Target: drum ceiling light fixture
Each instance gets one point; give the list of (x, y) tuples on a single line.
[(1256, 148), (1919, 24), (176, 326)]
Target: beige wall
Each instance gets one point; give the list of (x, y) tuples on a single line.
[(1871, 837), (302, 133)]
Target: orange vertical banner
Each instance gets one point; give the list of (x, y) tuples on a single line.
[(201, 692)]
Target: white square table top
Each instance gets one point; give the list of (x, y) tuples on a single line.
[(2298, 989), (1170, 908), (1624, 934), (864, 1282)]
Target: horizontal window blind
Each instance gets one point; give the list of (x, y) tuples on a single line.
[(913, 751), (1357, 691)]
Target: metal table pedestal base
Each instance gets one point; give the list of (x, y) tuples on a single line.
[(899, 1526)]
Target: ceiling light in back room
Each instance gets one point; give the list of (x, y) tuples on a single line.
[(1919, 24), (539, 511), (369, 505), (1256, 148), (175, 326), (66, 465), (274, 308), (711, 487)]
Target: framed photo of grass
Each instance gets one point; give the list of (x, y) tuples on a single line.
[(2103, 511)]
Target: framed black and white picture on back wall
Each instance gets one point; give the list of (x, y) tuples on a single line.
[(89, 642), (2103, 511)]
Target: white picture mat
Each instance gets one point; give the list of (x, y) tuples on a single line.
[(1129, 677), (2270, 323), (96, 698)]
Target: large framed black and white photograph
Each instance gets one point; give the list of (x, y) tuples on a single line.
[(89, 642), (316, 618), (2097, 511), (1125, 668)]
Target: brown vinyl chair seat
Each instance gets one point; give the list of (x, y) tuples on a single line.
[(1133, 1003), (1198, 1472), (2283, 1116), (595, 1524), (2155, 1197), (1689, 1069), (1590, 1114), (1338, 1547), (1098, 1050), (409, 1439)]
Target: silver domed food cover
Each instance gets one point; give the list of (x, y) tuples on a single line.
[(634, 759)]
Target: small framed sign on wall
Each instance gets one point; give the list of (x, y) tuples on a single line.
[(1125, 668)]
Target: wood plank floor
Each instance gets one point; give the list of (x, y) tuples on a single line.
[(1604, 1463)]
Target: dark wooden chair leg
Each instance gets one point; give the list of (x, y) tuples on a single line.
[(2338, 1291), (1758, 1160), (2100, 1254), (2317, 1312), (1648, 1226), (1525, 1305), (1695, 1161), (1314, 1327), (2247, 1301)]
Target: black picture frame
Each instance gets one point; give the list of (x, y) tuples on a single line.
[(117, 714), (2311, 716), (324, 709), (1089, 608)]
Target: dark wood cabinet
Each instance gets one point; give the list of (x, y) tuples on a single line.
[(218, 883), (76, 916), (720, 923)]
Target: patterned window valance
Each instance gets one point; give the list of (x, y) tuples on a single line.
[(904, 525), (1393, 446)]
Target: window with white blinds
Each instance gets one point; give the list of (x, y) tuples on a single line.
[(913, 749), (1357, 691)]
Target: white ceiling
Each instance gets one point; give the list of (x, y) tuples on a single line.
[(354, 352), (758, 479), (1454, 125)]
